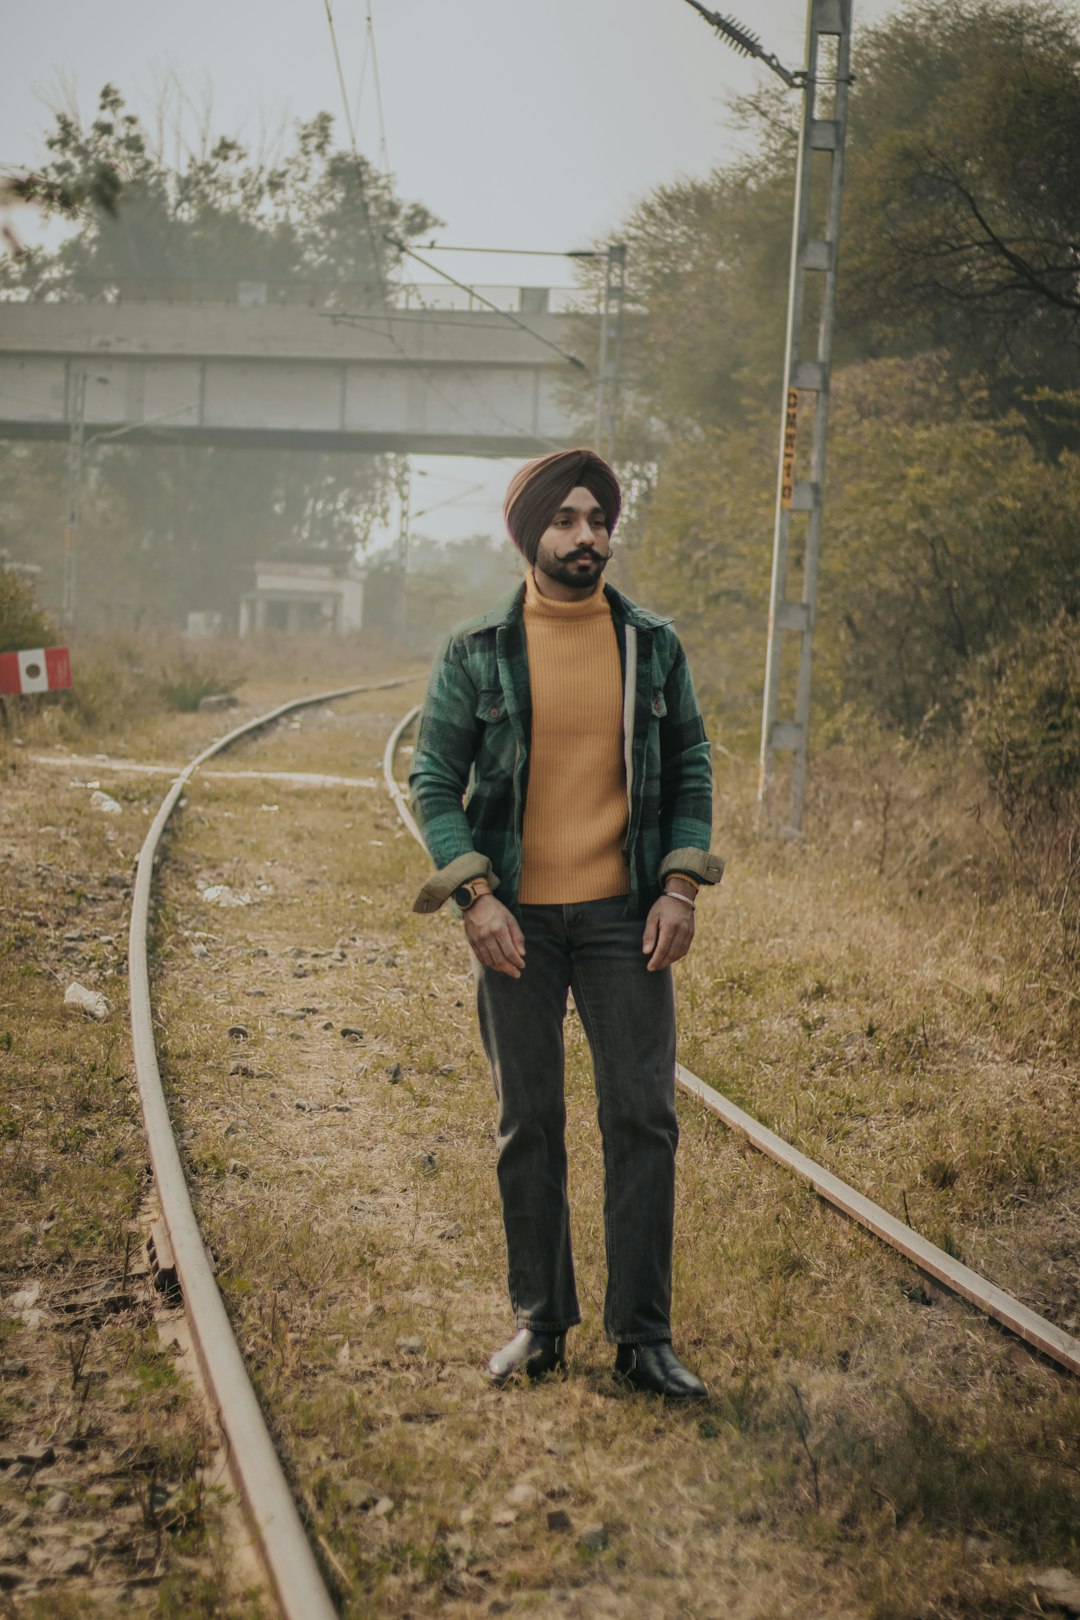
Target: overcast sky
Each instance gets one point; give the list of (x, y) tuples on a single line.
[(523, 126)]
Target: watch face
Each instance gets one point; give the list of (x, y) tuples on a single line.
[(464, 896)]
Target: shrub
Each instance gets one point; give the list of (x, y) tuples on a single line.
[(1025, 723), (22, 623), (191, 676)]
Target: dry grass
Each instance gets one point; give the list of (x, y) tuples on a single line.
[(872, 1447), (878, 995), (83, 1372)]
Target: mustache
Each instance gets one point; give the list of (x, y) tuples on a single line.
[(585, 554)]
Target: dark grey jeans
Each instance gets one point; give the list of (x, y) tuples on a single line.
[(629, 1019)]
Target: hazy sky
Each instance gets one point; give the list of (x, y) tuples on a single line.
[(518, 125)]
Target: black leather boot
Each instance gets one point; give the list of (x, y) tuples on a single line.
[(657, 1368), (533, 1354)]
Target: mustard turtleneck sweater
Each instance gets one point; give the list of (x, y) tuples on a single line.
[(576, 808)]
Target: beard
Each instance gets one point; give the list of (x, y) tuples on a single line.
[(570, 570)]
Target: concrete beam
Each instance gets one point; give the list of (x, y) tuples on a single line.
[(436, 382)]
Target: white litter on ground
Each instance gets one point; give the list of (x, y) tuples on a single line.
[(219, 894), (91, 1002), (107, 806)]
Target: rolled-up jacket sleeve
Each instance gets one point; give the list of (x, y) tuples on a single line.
[(445, 750), (685, 782)]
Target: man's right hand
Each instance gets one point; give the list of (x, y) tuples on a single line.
[(495, 936)]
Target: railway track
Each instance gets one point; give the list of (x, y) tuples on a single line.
[(267, 1500), (266, 1496), (1026, 1324)]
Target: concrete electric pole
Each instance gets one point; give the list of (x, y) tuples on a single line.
[(815, 239)]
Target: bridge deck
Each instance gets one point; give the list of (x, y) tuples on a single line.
[(435, 381)]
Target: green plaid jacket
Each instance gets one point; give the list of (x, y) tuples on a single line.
[(470, 771)]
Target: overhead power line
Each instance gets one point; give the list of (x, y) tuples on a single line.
[(384, 150), (376, 247), (361, 82), (523, 326), (523, 253), (401, 246)]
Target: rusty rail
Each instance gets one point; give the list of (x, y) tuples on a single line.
[(267, 1500)]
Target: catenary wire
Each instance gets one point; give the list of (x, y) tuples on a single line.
[(386, 316)]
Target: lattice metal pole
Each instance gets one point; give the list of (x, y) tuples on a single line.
[(611, 326), (77, 385), (806, 387), (403, 487)]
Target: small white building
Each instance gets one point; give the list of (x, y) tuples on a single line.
[(299, 593)]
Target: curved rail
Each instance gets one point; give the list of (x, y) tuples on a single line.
[(267, 1500), (1032, 1328), (393, 742)]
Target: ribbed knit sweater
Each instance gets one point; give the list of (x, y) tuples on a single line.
[(576, 808)]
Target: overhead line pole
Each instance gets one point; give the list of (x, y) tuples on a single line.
[(806, 377), (822, 129), (77, 386), (611, 326)]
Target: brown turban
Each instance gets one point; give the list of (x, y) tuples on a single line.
[(538, 489)]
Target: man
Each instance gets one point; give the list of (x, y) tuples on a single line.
[(563, 784)]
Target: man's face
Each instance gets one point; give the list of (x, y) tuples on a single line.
[(575, 548)]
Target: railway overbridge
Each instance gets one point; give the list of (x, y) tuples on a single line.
[(292, 375)]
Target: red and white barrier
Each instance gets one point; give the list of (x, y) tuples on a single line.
[(41, 669)]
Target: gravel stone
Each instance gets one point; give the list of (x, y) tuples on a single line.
[(1058, 1586)]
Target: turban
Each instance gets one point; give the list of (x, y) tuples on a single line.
[(538, 489)]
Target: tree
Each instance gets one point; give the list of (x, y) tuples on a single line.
[(948, 534), (961, 230), (963, 227), (170, 529), (952, 467)]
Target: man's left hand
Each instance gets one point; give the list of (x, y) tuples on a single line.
[(669, 932)]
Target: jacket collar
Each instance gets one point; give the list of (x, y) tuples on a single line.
[(510, 609)]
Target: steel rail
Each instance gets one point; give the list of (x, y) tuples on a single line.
[(1035, 1330), (392, 744), (266, 1498)]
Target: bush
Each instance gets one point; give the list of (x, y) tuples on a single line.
[(1025, 723), (192, 677), (22, 623)]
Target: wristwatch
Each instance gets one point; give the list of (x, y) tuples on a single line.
[(469, 893)]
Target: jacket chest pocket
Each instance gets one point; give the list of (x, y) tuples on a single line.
[(496, 747), (490, 707)]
